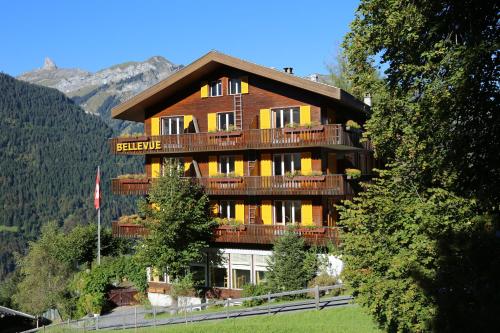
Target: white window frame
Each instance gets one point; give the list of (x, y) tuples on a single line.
[(229, 90), (293, 217), (226, 204), (227, 114), (218, 83), (282, 157), (280, 112), (226, 159), (170, 121)]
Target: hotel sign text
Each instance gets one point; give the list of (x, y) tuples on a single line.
[(140, 145)]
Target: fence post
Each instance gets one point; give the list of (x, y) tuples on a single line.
[(227, 308), (154, 316), (84, 324), (269, 303), (68, 323), (97, 322), (316, 296)]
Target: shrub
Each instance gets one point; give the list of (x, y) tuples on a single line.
[(250, 290), (324, 280), (353, 173), (352, 124)]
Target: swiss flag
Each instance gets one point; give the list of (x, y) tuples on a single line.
[(97, 194)]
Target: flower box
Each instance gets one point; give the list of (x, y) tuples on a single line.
[(133, 138), (240, 227), (226, 179), (224, 134), (309, 178), (319, 230), (134, 181), (301, 129)]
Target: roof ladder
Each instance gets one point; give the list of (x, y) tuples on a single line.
[(238, 110)]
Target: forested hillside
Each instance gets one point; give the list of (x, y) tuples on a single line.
[(49, 151)]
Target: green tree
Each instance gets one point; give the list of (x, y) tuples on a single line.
[(291, 265), (420, 247), (177, 215)]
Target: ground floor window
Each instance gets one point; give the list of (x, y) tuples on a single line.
[(219, 277), (260, 277), (240, 278)]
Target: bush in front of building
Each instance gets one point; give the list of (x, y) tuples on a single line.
[(291, 266), (251, 290)]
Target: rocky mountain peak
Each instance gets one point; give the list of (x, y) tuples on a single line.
[(49, 64)]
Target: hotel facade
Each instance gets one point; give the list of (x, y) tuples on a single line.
[(271, 150)]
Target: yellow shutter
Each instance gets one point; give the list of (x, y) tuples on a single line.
[(187, 163), (240, 211), (244, 84), (306, 213), (214, 205), (238, 166), (155, 167), (265, 118), (267, 212), (155, 126), (187, 120), (212, 165), (212, 122), (305, 114), (266, 166), (204, 89), (306, 163)]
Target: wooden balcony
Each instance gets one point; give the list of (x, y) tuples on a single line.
[(332, 185), (332, 136), (247, 233)]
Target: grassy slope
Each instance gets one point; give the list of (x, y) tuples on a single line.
[(346, 319)]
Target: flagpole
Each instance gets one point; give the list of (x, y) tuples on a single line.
[(99, 224)]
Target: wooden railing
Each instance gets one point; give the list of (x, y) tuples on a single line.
[(246, 233), (250, 185), (322, 135)]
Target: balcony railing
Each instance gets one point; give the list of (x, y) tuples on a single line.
[(246, 233), (250, 185), (334, 136)]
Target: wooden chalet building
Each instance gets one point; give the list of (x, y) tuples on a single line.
[(270, 148)]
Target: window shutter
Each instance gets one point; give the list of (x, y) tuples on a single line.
[(187, 164), (305, 114), (238, 166), (212, 165), (240, 211), (187, 121), (244, 84), (204, 89), (266, 166), (155, 126), (265, 118), (214, 205), (155, 167), (212, 122), (306, 213), (267, 212), (306, 163)]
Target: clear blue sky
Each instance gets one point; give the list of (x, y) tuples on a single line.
[(92, 35)]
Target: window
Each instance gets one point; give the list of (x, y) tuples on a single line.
[(226, 165), (287, 212), (171, 162), (240, 278), (285, 117), (216, 88), (260, 277), (218, 277), (172, 125), (198, 273), (225, 121), (286, 163), (227, 209), (234, 86)]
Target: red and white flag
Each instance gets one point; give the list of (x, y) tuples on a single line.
[(97, 194)]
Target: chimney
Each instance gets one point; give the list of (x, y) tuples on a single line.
[(368, 99), (314, 77), (288, 70)]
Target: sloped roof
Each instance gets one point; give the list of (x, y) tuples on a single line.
[(133, 109)]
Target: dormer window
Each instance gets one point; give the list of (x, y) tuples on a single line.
[(234, 86), (216, 88)]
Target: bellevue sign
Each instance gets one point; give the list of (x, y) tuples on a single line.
[(135, 146)]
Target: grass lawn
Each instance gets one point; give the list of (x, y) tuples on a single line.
[(344, 319)]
